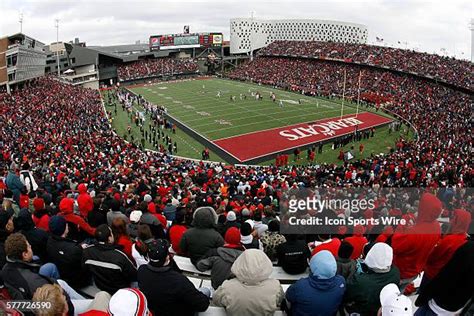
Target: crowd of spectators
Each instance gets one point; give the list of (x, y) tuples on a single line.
[(448, 69), (73, 191), (147, 68)]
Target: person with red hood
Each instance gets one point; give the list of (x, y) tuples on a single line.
[(76, 223), (325, 242), (220, 260), (448, 245), (40, 215), (412, 246), (84, 200), (358, 241)]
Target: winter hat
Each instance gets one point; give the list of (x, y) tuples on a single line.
[(57, 225), (393, 302), (345, 250), (38, 204), (135, 216), (147, 198), (5, 217), (379, 258), (117, 196), (231, 216), (158, 251), (128, 302), (323, 265), (245, 212), (232, 238), (66, 205)]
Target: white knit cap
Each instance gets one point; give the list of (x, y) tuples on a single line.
[(127, 302), (135, 216)]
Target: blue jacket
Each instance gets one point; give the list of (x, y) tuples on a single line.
[(14, 184), (316, 297)]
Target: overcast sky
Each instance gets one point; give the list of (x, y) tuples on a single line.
[(439, 26)]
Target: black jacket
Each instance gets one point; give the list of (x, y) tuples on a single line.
[(293, 256), (110, 268), (35, 236), (197, 241), (66, 254), (168, 292), (22, 279), (454, 285)]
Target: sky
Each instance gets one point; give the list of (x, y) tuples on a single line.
[(437, 26)]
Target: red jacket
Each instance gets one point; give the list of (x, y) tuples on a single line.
[(84, 200), (448, 245), (412, 246), (66, 207), (332, 246)]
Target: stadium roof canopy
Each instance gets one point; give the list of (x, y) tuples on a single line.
[(130, 52)]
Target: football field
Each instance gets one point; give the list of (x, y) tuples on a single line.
[(228, 114)]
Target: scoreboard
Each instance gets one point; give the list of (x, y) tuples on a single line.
[(173, 41)]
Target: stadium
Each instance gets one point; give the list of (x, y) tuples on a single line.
[(294, 169)]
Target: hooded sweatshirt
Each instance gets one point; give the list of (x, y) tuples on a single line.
[(84, 200), (40, 215), (252, 292), (357, 241), (66, 208), (363, 289), (220, 260), (448, 245), (198, 240), (322, 292), (412, 247)]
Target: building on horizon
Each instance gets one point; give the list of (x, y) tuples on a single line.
[(21, 58), (248, 34)]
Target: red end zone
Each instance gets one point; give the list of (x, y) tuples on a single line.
[(258, 144)]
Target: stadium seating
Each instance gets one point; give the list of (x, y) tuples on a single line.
[(148, 68), (188, 268), (447, 69)]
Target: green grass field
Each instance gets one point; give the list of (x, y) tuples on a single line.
[(195, 103)]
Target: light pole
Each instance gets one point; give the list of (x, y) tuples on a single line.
[(21, 22), (57, 44), (251, 36)]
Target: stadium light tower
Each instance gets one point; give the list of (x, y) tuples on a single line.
[(56, 24), (21, 22), (251, 35)]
